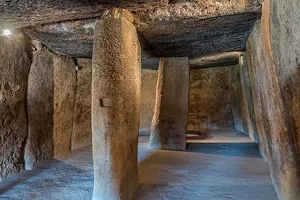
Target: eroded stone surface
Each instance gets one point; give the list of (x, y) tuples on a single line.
[(115, 108), (82, 128), (64, 99), (169, 124), (170, 38), (215, 60), (239, 108), (50, 105), (32, 12), (165, 38), (210, 101), (242, 99), (15, 63), (148, 92), (248, 94), (168, 31), (273, 58), (40, 106)]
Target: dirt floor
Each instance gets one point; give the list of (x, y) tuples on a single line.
[(217, 169)]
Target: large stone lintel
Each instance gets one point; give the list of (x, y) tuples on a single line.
[(216, 60)]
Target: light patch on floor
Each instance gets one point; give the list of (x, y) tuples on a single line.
[(226, 135), (224, 171)]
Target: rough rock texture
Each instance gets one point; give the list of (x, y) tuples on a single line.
[(164, 38), (82, 129), (169, 124), (64, 98), (148, 92), (50, 105), (215, 60), (170, 38), (273, 54), (116, 82), (15, 62), (32, 12), (209, 99), (40, 99), (248, 98), (239, 109), (242, 100), (168, 31)]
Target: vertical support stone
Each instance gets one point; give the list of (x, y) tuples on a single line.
[(116, 74), (15, 61), (82, 129), (64, 99), (169, 124), (39, 146)]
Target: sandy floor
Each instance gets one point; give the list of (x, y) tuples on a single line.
[(224, 171)]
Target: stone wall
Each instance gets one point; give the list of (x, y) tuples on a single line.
[(273, 53), (51, 89), (64, 99), (82, 129), (209, 99), (40, 106), (14, 66), (37, 96), (170, 119), (148, 92), (241, 100)]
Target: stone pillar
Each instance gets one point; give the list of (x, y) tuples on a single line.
[(116, 74), (14, 66), (64, 100), (169, 124), (82, 129), (39, 145)]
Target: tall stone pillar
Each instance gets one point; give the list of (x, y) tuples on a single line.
[(169, 123), (116, 80)]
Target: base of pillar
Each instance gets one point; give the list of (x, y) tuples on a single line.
[(155, 144)]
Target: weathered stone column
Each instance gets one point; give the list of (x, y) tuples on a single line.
[(169, 124), (115, 106), (14, 66)]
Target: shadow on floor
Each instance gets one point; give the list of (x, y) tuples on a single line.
[(54, 180), (205, 172), (229, 149)]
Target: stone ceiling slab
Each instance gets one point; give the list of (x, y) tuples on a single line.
[(189, 37), (187, 28)]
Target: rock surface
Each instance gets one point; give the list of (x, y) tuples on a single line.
[(170, 119), (50, 105), (28, 12), (242, 99), (148, 92), (165, 31), (215, 60), (115, 106), (239, 108), (210, 100), (82, 129), (165, 38), (64, 99), (273, 54), (40, 106), (32, 12), (15, 64)]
